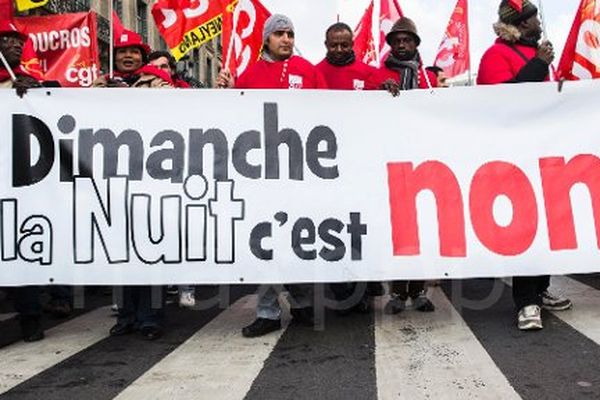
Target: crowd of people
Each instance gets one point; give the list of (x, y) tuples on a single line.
[(518, 55)]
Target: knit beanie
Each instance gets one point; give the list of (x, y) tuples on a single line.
[(277, 22), (509, 15)]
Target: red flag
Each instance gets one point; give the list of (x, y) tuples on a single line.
[(6, 9), (453, 55), (187, 24), (390, 12), (242, 34), (516, 4), (581, 55), (70, 59), (118, 28), (364, 43)]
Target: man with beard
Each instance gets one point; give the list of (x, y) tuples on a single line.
[(517, 56), (278, 68), (403, 70)]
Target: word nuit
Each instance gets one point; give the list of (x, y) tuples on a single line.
[(253, 155), (491, 180), (123, 221)]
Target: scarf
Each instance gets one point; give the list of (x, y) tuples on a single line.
[(409, 70), (349, 59)]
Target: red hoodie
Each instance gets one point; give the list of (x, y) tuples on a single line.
[(355, 76), (293, 73)]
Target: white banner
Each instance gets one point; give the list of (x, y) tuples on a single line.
[(168, 186)]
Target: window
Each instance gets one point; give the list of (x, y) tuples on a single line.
[(81, 5), (118, 7), (209, 73), (142, 20)]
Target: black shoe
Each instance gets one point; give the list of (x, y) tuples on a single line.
[(423, 304), (260, 327), (31, 329), (151, 332), (121, 329), (303, 316)]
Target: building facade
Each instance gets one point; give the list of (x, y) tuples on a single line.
[(201, 64)]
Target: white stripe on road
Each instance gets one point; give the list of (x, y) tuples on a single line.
[(6, 317), (21, 361), (434, 356), (217, 362), (585, 316)]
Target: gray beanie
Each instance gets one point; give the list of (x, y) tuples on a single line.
[(277, 22)]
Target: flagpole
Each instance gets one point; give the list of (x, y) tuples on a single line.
[(111, 49), (545, 35), (469, 40), (13, 77)]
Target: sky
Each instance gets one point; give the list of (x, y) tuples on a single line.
[(312, 17)]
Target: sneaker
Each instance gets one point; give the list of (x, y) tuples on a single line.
[(530, 318), (303, 316), (395, 305), (260, 327), (187, 299), (151, 333), (423, 304), (555, 303), (121, 329)]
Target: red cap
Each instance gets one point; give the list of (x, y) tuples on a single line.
[(131, 39), (7, 27)]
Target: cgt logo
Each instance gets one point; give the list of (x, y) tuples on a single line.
[(82, 76)]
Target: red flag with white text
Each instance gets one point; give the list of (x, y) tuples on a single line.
[(364, 43), (389, 13), (65, 45), (453, 55), (187, 24), (581, 55), (243, 25)]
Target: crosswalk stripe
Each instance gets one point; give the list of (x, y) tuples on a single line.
[(585, 315), (215, 363), (21, 361), (6, 317), (434, 356)]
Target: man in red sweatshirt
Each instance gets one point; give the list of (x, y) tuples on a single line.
[(278, 68), (517, 57), (341, 69)]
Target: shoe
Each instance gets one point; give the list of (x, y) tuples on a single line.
[(187, 299), (303, 316), (31, 329), (530, 318), (394, 306), (423, 304), (151, 332), (260, 327), (555, 303), (121, 329)]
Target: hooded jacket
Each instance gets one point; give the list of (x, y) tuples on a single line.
[(510, 61)]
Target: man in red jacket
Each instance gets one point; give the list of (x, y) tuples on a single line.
[(517, 57), (278, 68), (403, 68), (341, 69)]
